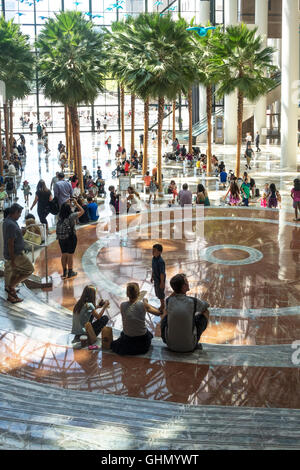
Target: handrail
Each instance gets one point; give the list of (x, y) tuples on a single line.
[(165, 116), (199, 127)]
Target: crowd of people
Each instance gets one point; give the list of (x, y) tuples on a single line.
[(183, 319)]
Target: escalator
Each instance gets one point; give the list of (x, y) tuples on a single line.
[(200, 127)]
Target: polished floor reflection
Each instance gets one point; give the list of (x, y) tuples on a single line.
[(180, 382)]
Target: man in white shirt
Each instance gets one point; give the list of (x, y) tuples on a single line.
[(186, 317)]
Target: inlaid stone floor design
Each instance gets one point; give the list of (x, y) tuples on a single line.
[(244, 262)]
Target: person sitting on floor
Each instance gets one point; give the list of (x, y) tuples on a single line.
[(186, 317), (92, 209), (85, 311), (135, 338)]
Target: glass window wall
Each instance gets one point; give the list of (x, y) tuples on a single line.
[(32, 14)]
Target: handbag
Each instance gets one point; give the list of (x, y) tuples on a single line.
[(53, 206), (33, 237), (107, 337)]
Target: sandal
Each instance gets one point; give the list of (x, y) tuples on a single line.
[(14, 300), (11, 292), (7, 290)]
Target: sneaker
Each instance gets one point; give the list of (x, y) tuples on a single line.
[(65, 274), (71, 273)]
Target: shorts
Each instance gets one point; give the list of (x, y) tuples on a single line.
[(160, 293), (296, 204), (23, 267), (68, 246)]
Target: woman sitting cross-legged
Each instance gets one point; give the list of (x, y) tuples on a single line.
[(135, 338), (85, 311)]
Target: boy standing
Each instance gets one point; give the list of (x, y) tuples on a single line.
[(159, 274), (245, 189)]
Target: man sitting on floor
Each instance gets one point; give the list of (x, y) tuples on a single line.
[(186, 317)]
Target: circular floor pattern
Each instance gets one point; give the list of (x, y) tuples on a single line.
[(254, 255)]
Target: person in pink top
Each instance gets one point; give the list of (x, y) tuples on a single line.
[(295, 194), (234, 194)]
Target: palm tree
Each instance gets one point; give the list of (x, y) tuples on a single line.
[(190, 110), (173, 120), (120, 42), (71, 65), (116, 64), (204, 53), (16, 69), (160, 65), (241, 64)]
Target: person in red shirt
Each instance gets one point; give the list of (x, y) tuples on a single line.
[(126, 167), (147, 179)]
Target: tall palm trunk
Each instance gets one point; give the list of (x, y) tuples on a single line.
[(67, 133), (160, 118), (122, 104), (240, 112), (76, 137), (146, 127), (132, 123), (71, 141), (173, 120), (5, 108), (209, 126), (190, 108), (1, 159), (11, 123)]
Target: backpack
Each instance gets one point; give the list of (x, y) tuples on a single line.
[(195, 308), (64, 229), (9, 185)]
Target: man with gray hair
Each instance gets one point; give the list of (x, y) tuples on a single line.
[(17, 265)]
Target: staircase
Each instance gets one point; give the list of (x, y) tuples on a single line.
[(35, 416)]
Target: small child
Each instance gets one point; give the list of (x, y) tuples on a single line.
[(295, 195), (159, 274), (223, 178), (26, 189), (274, 197), (265, 195), (245, 190)]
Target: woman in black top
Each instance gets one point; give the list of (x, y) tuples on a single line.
[(84, 219), (42, 197)]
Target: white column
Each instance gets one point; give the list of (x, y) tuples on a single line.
[(289, 83), (230, 101), (261, 21), (230, 12), (202, 17)]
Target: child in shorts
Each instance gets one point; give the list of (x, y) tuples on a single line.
[(159, 274), (295, 195)]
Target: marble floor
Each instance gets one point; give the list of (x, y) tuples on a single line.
[(243, 261)]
